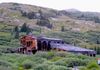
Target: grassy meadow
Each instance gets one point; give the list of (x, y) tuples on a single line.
[(52, 60)]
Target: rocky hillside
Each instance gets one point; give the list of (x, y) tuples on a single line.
[(87, 16), (17, 14)]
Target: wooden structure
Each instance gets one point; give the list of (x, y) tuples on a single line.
[(45, 43), (31, 44), (28, 44)]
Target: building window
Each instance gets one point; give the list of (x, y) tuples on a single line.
[(29, 43)]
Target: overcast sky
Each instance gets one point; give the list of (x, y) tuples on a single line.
[(83, 5)]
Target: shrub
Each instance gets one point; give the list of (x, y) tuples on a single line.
[(56, 58), (47, 55), (62, 54), (44, 22), (55, 67), (48, 62), (84, 68), (50, 54), (60, 62), (5, 68), (38, 60), (93, 66), (41, 54), (27, 64), (76, 62), (70, 62), (0, 52), (4, 63), (41, 67)]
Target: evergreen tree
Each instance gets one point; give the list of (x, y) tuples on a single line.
[(16, 32), (98, 40), (41, 15), (28, 30), (24, 28), (98, 50), (62, 28), (95, 48), (96, 19), (44, 22)]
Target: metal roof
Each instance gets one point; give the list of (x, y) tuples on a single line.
[(46, 38), (68, 47)]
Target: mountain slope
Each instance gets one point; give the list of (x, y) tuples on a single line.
[(87, 16), (49, 22), (17, 14)]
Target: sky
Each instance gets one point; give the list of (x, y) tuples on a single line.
[(82, 5)]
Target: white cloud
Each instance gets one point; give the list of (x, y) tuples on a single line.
[(84, 5)]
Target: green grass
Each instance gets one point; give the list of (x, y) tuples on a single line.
[(17, 61), (45, 60), (87, 37)]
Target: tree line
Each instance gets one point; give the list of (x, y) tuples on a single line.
[(16, 30)]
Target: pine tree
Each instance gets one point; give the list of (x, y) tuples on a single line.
[(16, 32), (24, 28), (62, 28), (95, 48), (41, 15), (28, 30), (98, 50)]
